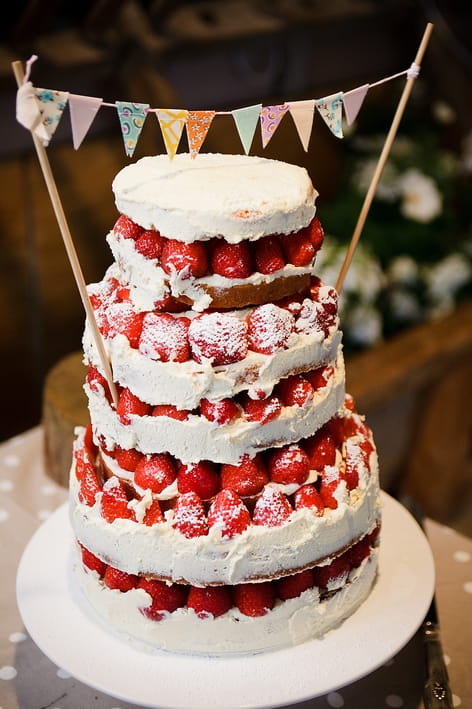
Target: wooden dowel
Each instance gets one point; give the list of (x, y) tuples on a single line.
[(382, 160), (69, 245)]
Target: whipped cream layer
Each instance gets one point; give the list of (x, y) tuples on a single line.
[(290, 622), (235, 196), (197, 438)]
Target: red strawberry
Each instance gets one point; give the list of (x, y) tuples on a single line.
[(308, 496), (200, 478), (292, 303), (153, 514), (218, 337), (104, 292), (191, 259), (114, 503), (92, 562), (169, 304), (229, 511), (89, 485), (221, 412), (315, 233), (261, 410), (150, 244), (189, 516), (126, 458), (320, 448), (155, 472), (246, 478), (166, 598), (115, 578), (272, 508), (293, 586), (358, 552), (298, 248), (89, 444), (231, 260), (125, 227), (287, 465), (318, 378), (325, 303), (97, 381), (129, 404), (295, 390), (327, 494), (209, 601), (255, 599), (334, 573), (171, 411), (269, 328), (122, 319), (268, 254), (349, 403), (354, 460), (165, 337), (340, 428)]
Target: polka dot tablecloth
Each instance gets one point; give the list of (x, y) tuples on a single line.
[(29, 680)]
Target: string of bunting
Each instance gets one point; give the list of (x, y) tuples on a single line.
[(40, 110)]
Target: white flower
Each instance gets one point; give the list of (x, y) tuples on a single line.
[(403, 270), (364, 276), (405, 306), (422, 200), (446, 277), (387, 189), (363, 324), (443, 112)]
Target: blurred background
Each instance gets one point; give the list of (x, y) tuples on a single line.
[(406, 303)]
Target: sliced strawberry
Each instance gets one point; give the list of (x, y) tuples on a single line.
[(261, 410), (245, 479), (221, 411), (153, 514), (127, 458), (209, 601), (231, 260), (269, 328), (320, 449), (150, 244), (255, 599), (218, 337), (200, 478), (120, 580), (166, 598), (171, 411), (308, 496), (189, 516), (295, 390), (164, 337), (128, 405), (125, 227), (114, 503), (334, 573), (268, 254), (298, 248), (92, 562), (288, 465), (155, 472), (229, 511), (187, 259), (272, 508), (293, 586)]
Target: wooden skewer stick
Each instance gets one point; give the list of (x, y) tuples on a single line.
[(69, 245), (382, 159)]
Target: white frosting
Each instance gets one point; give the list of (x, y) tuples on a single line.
[(289, 623), (197, 438), (235, 196)]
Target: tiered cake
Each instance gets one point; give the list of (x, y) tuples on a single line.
[(229, 503)]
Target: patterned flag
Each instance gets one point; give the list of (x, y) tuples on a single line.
[(302, 113), (132, 117), (51, 107), (172, 122), (246, 121), (270, 119), (330, 108), (198, 124), (353, 100), (83, 110)]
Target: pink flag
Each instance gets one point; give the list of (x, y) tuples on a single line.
[(352, 101), (302, 113), (270, 119), (83, 110)]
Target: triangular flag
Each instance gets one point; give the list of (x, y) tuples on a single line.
[(83, 110), (246, 121), (172, 122), (51, 107), (330, 108), (302, 113), (270, 119), (28, 113), (132, 117), (198, 124), (352, 101)]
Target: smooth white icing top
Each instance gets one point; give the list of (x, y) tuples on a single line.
[(235, 196)]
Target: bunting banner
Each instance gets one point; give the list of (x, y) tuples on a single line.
[(172, 122), (83, 110), (40, 110), (132, 117)]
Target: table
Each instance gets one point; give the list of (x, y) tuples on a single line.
[(29, 680)]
